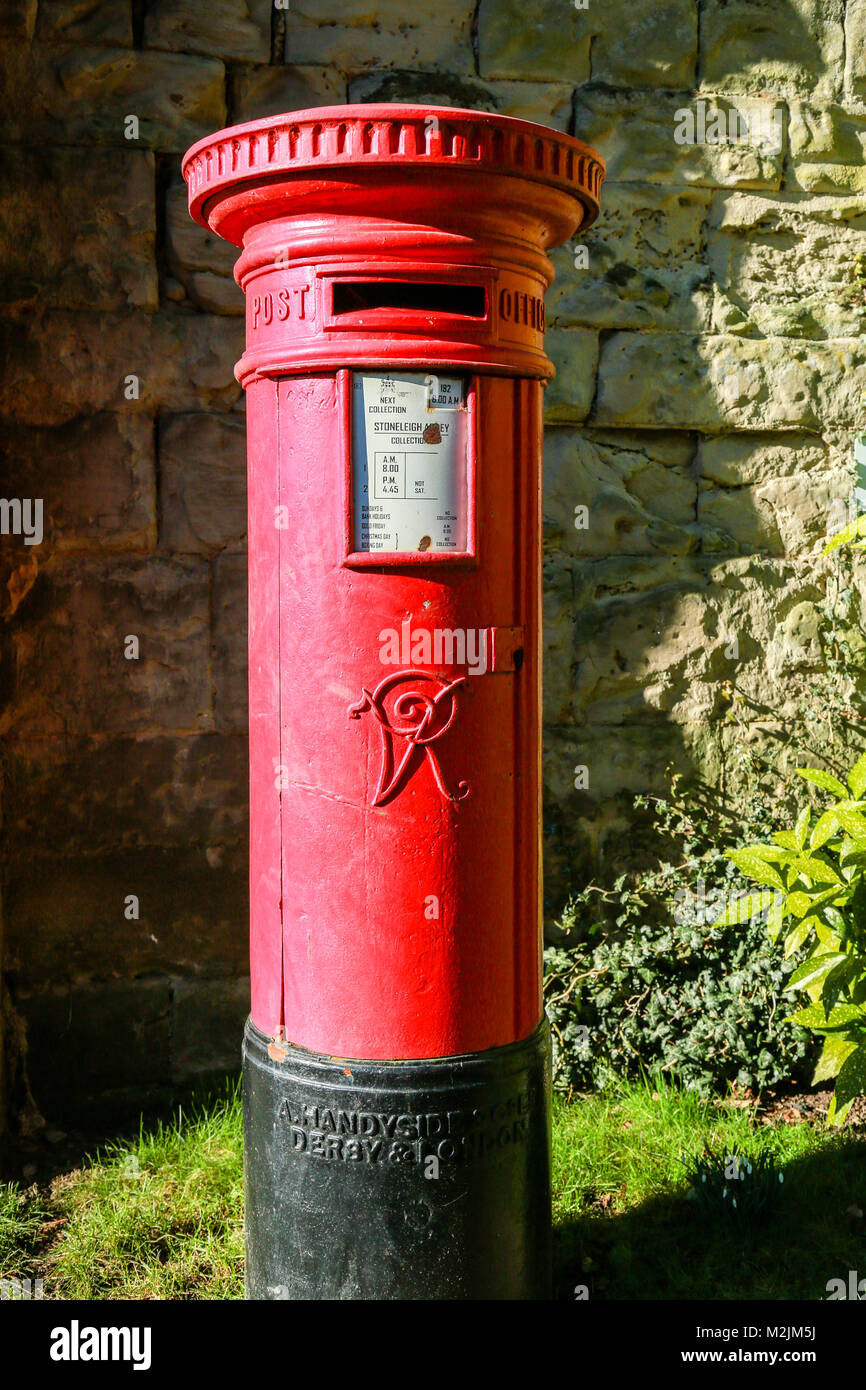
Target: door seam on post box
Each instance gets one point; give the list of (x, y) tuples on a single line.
[(282, 1020)]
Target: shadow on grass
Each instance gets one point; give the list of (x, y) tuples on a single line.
[(151, 1211), (666, 1248), (50, 1152)]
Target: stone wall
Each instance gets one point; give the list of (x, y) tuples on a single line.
[(707, 339)]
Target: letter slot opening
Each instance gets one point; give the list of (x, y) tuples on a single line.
[(355, 296)]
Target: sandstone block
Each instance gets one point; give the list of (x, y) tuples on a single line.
[(200, 261), (574, 353), (259, 90), (784, 495), (619, 493), (547, 103), (109, 203), (82, 95), (638, 45), (125, 794), (203, 497), (96, 478), (828, 149), (92, 608), (855, 48), (18, 20), (662, 637), (763, 253), (230, 642), (638, 137), (654, 380), (75, 22), (223, 28), (89, 1045), (795, 47), (192, 905), (639, 266), (208, 1018), (60, 364), (354, 36)]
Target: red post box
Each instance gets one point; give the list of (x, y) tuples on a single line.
[(396, 1062)]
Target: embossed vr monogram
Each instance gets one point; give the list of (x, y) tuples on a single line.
[(410, 721)]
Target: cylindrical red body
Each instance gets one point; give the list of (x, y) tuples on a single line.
[(393, 262), (409, 928)]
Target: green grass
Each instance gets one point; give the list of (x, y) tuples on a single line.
[(162, 1217), (22, 1221), (158, 1218)]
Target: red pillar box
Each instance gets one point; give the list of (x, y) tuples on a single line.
[(396, 1061)]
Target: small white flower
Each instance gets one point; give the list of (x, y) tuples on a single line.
[(735, 1201)]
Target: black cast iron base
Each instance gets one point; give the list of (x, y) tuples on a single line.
[(398, 1180)]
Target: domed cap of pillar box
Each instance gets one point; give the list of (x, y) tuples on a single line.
[(366, 139)]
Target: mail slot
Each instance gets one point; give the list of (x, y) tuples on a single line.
[(396, 1061), (424, 296)]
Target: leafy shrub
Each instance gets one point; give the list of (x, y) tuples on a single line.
[(657, 985), (814, 880)]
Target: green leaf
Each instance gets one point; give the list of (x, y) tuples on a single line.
[(787, 838), (826, 780), (824, 829), (756, 867), (827, 936), (852, 854), (801, 829), (836, 1113), (836, 919), (744, 909), (851, 1081), (852, 532), (798, 903), (776, 919), (817, 869), (853, 822), (815, 1017), (802, 904), (857, 776), (777, 856), (815, 969), (834, 1052), (795, 939)]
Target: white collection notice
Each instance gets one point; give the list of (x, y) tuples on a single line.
[(409, 479)]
